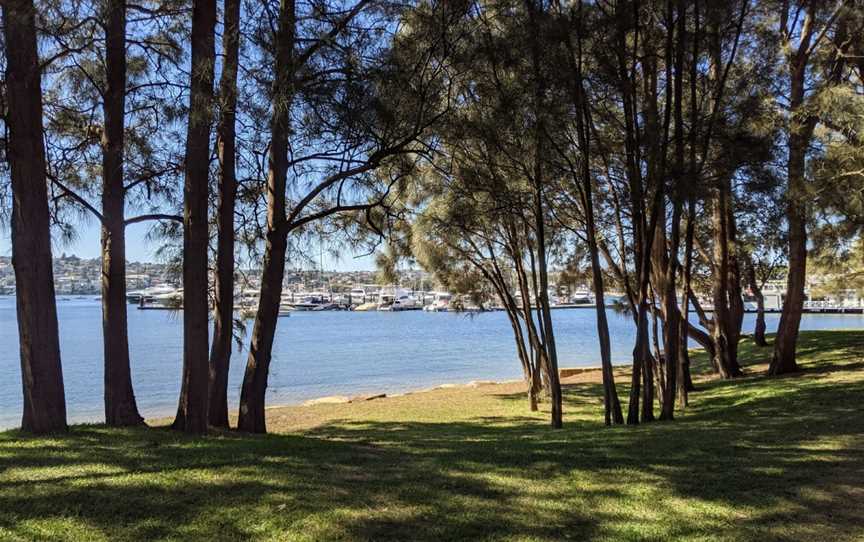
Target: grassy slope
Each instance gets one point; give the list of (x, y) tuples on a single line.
[(756, 459)]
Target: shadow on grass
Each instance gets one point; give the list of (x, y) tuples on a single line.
[(754, 458)]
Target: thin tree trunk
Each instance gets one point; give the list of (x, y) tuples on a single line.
[(540, 228), (759, 329), (253, 392), (611, 403), (685, 380), (192, 408), (736, 293), (41, 372), (223, 314), (120, 406)]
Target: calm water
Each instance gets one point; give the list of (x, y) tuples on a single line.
[(317, 354)]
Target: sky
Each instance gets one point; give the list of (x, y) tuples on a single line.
[(139, 249)]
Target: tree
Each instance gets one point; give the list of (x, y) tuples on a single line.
[(802, 43), (192, 411), (106, 118), (583, 187), (42, 375), (359, 119), (120, 406), (223, 314)]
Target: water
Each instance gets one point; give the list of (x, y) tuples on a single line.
[(318, 354)]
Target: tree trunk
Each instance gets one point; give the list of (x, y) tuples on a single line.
[(192, 408), (800, 131), (611, 403), (725, 345), (736, 292), (253, 392), (685, 379), (223, 314), (759, 329), (120, 406), (39, 343), (547, 332), (640, 353)]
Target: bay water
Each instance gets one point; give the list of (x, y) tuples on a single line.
[(318, 353)]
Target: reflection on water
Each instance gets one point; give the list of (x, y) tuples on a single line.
[(317, 354)]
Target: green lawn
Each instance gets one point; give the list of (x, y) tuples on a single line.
[(754, 459)]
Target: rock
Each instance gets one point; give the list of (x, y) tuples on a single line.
[(329, 400), (361, 398)]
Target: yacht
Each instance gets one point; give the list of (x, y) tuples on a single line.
[(148, 295), (247, 304), (315, 301), (581, 297), (397, 299), (440, 302), (168, 300), (357, 296)]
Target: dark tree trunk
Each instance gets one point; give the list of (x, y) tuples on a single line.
[(539, 219), (39, 343), (673, 329), (723, 333), (759, 329), (685, 379), (802, 124), (120, 406), (640, 354), (735, 289), (496, 278), (800, 131), (223, 317), (253, 392), (192, 408), (611, 403)]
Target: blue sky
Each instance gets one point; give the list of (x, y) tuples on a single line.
[(139, 249)]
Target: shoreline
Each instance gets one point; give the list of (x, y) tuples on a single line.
[(338, 399), (565, 373)]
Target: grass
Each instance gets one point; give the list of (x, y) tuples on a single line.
[(754, 459)]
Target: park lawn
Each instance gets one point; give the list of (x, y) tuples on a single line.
[(753, 459)]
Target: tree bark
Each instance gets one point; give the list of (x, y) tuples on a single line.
[(253, 392), (223, 316), (120, 406), (723, 333), (800, 131), (192, 408), (685, 379), (39, 343), (611, 403), (539, 218), (759, 328)]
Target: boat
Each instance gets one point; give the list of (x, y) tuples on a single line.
[(581, 297), (365, 307), (167, 300), (312, 302), (440, 302), (247, 304), (357, 296), (398, 299), (149, 294)]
